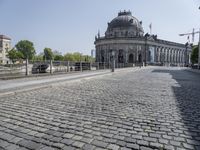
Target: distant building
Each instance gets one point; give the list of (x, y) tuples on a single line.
[(93, 53), (125, 40), (5, 46)]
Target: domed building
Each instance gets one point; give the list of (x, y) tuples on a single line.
[(126, 42)]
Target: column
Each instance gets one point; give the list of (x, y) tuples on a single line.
[(161, 56), (175, 55), (166, 53), (158, 54), (183, 57), (169, 54), (178, 58)]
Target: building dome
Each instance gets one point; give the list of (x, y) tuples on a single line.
[(124, 25)]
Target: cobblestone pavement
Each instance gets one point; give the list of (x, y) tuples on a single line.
[(16, 84), (154, 108)]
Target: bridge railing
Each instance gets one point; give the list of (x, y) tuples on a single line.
[(36, 68)]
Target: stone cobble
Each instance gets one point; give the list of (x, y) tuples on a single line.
[(154, 108)]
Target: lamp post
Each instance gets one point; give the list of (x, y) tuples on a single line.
[(113, 61), (145, 54), (81, 69), (186, 54), (199, 50), (27, 71)]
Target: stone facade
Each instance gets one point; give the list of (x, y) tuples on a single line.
[(5, 46), (125, 37)]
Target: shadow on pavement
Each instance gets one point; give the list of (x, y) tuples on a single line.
[(187, 94)]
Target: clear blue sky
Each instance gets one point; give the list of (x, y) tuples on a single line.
[(71, 25)]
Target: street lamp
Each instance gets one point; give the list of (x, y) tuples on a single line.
[(81, 69), (186, 54), (145, 54), (199, 51), (113, 61)]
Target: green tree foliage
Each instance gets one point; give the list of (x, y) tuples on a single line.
[(73, 56), (26, 48), (69, 57), (39, 57), (87, 58), (58, 57), (48, 54), (194, 55), (78, 57), (14, 55)]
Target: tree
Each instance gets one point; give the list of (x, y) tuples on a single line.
[(58, 55), (78, 57), (194, 55), (69, 57), (56, 52), (58, 58), (72, 56), (87, 58), (48, 54), (26, 48), (14, 55), (39, 57)]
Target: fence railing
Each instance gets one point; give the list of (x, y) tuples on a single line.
[(36, 68), (55, 67)]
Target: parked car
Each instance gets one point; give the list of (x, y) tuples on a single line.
[(85, 66), (194, 66), (42, 68)]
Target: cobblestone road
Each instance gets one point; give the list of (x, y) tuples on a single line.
[(155, 108)]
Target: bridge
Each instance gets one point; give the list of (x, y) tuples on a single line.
[(136, 108)]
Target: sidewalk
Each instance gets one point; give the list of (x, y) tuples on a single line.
[(31, 83), (7, 86), (193, 70)]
